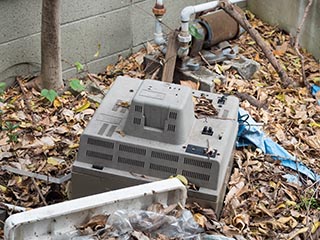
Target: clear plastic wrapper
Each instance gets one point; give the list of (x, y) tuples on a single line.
[(123, 225), (151, 223)]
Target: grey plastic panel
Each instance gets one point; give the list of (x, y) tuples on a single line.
[(158, 136), (87, 181), (161, 111)]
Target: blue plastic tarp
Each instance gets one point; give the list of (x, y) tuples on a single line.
[(249, 133), (314, 90)]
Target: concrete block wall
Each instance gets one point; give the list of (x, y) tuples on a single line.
[(118, 26), (287, 14)]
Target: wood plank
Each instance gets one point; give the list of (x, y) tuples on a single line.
[(170, 59)]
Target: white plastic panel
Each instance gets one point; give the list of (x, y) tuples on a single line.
[(56, 221)]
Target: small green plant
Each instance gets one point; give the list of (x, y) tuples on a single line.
[(78, 66), (309, 203), (10, 128), (309, 200), (2, 87), (76, 85), (50, 95)]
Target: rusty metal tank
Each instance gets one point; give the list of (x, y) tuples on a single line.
[(219, 26)]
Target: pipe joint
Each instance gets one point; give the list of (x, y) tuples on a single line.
[(186, 13), (159, 10), (184, 37), (183, 51), (159, 39)]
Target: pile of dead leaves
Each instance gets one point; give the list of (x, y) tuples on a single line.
[(260, 203), (42, 140), (290, 116)]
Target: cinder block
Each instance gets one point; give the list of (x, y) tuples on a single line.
[(73, 10), (97, 65), (80, 40), (19, 19), (19, 57)]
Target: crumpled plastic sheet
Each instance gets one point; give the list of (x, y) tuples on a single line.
[(293, 179), (250, 134), (314, 90), (125, 222)]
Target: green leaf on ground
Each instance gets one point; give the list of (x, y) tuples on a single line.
[(9, 126), (2, 87), (78, 66), (76, 85), (49, 94)]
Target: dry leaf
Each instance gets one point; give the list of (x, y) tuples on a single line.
[(83, 107), (190, 84), (68, 114), (241, 221), (281, 50), (315, 227), (150, 48), (233, 191), (200, 219), (121, 133), (57, 103), (124, 104), (298, 232), (292, 222), (95, 223)]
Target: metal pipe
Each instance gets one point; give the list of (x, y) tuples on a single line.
[(158, 11), (158, 34), (184, 36), (190, 10), (159, 2)]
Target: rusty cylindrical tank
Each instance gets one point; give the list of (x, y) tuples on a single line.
[(220, 27)]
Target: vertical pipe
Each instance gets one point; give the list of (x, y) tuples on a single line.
[(158, 11), (159, 2)]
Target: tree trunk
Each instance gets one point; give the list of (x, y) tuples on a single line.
[(51, 67)]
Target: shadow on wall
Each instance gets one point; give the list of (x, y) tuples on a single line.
[(25, 68)]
